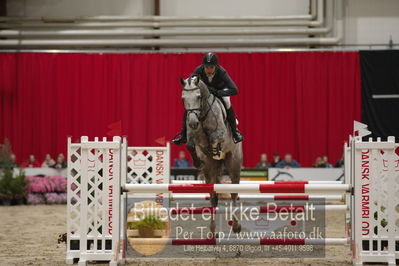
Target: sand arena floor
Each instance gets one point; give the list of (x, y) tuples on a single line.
[(28, 236)]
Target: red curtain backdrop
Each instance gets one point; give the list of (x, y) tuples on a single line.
[(297, 102)]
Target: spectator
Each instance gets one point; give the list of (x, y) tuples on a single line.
[(182, 162), (263, 163), (13, 160), (325, 162), (288, 162), (318, 163), (340, 162), (60, 163), (276, 159), (31, 162), (48, 161)]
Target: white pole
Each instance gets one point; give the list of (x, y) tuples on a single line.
[(246, 209)]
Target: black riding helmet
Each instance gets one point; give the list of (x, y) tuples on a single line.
[(210, 59)]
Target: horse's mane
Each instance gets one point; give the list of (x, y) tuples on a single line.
[(203, 87)]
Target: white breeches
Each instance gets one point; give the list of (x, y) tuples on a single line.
[(227, 102)]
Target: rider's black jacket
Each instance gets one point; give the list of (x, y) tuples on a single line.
[(221, 81)]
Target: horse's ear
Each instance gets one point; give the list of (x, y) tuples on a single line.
[(197, 80), (182, 82)]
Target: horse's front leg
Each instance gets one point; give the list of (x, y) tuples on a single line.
[(212, 172), (236, 223), (191, 148), (233, 165), (216, 142), (214, 203)]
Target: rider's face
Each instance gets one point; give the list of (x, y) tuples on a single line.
[(209, 70)]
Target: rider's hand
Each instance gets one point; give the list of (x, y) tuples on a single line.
[(213, 90), (222, 93)]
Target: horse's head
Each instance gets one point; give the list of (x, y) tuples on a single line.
[(193, 94)]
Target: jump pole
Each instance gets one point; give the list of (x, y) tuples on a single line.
[(302, 197), (260, 182), (235, 188), (259, 209), (242, 241)]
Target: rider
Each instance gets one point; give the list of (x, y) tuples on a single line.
[(219, 84)]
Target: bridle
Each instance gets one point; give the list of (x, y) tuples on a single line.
[(195, 111)]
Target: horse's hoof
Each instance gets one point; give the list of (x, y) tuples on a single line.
[(224, 196), (236, 228)]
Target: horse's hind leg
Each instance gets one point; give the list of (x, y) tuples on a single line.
[(234, 166), (236, 224)]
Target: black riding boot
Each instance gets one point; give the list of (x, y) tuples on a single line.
[(181, 138), (231, 118)]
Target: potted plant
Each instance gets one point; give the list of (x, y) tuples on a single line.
[(18, 186), (148, 227), (132, 230), (12, 189), (5, 186)]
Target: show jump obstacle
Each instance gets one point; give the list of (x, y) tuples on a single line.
[(101, 172)]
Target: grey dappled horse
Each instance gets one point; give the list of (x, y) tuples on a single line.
[(209, 139)]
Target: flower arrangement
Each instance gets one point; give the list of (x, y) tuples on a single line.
[(46, 184), (48, 189)]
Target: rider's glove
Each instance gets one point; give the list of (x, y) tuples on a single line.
[(223, 93), (213, 90)]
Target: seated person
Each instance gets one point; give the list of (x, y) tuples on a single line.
[(276, 159), (60, 163), (263, 163), (182, 162), (31, 162), (288, 162), (13, 161), (326, 164), (318, 163), (339, 163), (48, 161)]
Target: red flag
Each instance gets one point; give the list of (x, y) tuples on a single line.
[(161, 141), (115, 129)]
